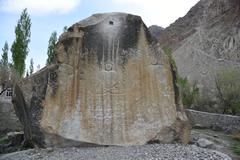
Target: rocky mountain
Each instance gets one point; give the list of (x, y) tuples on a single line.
[(155, 30), (111, 84), (205, 41)]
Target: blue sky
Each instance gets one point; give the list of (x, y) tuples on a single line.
[(52, 15)]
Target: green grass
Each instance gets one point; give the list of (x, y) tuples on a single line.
[(236, 148), (4, 140)]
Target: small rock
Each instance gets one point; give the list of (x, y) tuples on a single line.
[(204, 143), (199, 126), (49, 150)]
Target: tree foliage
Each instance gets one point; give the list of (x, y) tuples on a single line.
[(20, 45), (8, 77), (4, 60), (4, 69), (51, 48), (65, 28), (31, 69), (228, 90), (189, 93), (38, 67)]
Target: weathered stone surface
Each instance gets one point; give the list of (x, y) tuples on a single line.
[(204, 143), (8, 119), (205, 41), (111, 85)]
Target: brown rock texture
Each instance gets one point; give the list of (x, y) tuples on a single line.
[(111, 84)]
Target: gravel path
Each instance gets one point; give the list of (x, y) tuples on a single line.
[(147, 152)]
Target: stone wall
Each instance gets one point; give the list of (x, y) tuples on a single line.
[(227, 123), (8, 119)]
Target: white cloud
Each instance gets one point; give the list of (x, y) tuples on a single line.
[(39, 7), (160, 12)]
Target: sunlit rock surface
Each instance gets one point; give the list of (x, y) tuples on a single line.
[(111, 84)]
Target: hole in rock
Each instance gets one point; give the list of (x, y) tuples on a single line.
[(111, 22)]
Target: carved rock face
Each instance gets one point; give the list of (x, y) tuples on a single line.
[(111, 85)]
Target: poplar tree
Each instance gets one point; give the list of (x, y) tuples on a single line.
[(5, 55), (20, 45), (51, 48)]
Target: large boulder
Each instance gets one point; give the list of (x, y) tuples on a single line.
[(111, 84)]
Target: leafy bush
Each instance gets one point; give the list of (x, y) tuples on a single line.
[(189, 93), (236, 148), (4, 140), (228, 90), (168, 52)]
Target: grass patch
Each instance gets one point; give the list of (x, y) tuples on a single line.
[(4, 140), (236, 148)]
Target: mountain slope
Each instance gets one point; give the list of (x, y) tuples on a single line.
[(155, 30), (206, 40)]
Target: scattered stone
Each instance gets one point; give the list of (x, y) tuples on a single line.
[(222, 142), (198, 126), (50, 150), (204, 143), (145, 152)]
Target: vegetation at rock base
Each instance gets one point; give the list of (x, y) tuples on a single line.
[(189, 93), (4, 140), (236, 147), (51, 48), (228, 90), (20, 45), (168, 52)]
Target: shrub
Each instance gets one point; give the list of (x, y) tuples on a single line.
[(236, 148), (228, 90), (168, 52), (189, 93), (4, 140)]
